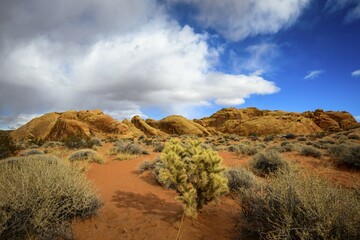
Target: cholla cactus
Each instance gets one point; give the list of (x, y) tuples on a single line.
[(195, 173)]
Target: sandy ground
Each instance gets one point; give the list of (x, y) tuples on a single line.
[(135, 207)]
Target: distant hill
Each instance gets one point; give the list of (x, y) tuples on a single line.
[(59, 126), (247, 121)]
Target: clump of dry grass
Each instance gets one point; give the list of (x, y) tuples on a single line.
[(294, 205), (267, 162), (311, 151), (86, 155), (345, 155), (239, 178), (39, 195), (29, 152), (127, 147)]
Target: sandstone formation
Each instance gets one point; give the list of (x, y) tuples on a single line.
[(247, 121), (59, 126), (250, 121), (178, 125)]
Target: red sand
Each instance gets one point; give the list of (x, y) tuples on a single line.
[(135, 207)]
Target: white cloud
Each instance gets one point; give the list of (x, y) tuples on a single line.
[(352, 5), (237, 20), (120, 69), (9, 122), (356, 73), (357, 118), (314, 74)]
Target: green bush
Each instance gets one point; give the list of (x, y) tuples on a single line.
[(86, 155), (345, 155), (196, 174), (310, 151), (238, 178), (39, 195), (267, 162), (299, 206)]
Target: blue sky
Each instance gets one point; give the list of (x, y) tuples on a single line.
[(156, 58)]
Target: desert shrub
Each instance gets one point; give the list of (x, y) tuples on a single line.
[(299, 206), (267, 162), (354, 136), (302, 139), (31, 152), (94, 141), (276, 148), (269, 138), (36, 142), (39, 195), (345, 155), (288, 147), (148, 165), (290, 136), (86, 155), (196, 174), (238, 178), (245, 149), (310, 151), (77, 142), (52, 144), (159, 147), (127, 147), (7, 145)]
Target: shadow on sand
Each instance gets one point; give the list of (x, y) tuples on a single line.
[(148, 204)]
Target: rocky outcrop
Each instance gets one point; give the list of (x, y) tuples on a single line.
[(178, 125), (58, 126), (332, 121), (145, 127), (247, 121)]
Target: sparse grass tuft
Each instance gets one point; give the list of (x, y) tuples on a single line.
[(39, 195)]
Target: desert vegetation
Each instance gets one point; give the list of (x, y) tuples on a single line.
[(194, 172), (40, 195), (265, 182), (298, 205)]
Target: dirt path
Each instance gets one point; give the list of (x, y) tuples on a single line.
[(135, 207)]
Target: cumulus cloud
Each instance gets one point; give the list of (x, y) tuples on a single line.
[(237, 20), (353, 7), (314, 74), (110, 55), (356, 73)]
